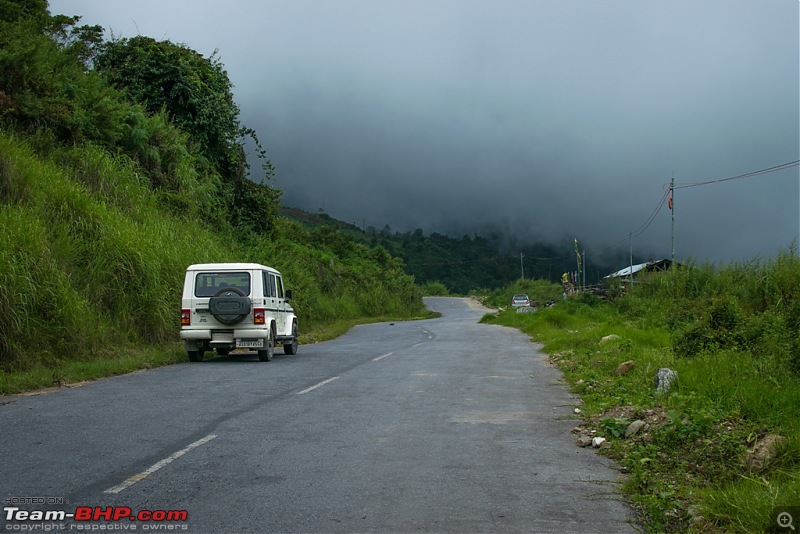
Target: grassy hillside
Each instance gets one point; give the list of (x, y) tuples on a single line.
[(733, 336), (121, 163), (91, 266)]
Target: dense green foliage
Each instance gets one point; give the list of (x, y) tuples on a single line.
[(91, 260), (104, 201), (43, 78), (196, 95), (460, 264), (193, 157), (194, 91), (732, 334)]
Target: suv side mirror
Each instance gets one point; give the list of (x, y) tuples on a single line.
[(288, 294)]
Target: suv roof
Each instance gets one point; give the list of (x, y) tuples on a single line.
[(233, 266)]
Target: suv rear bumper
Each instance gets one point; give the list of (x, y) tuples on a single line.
[(205, 335)]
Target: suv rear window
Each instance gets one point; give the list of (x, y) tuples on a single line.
[(209, 284)]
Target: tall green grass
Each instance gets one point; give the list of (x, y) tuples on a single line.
[(82, 271), (733, 335), (92, 260)]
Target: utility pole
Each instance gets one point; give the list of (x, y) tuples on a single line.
[(521, 264), (583, 264), (630, 267), (672, 210)]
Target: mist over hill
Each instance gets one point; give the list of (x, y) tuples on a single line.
[(475, 261)]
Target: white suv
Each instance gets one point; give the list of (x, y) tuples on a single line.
[(230, 306)]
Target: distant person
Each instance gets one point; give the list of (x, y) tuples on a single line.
[(565, 285)]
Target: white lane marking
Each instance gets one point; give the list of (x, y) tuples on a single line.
[(155, 467), (312, 388), (382, 357)]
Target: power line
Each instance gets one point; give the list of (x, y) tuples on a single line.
[(664, 198), (652, 217), (644, 226), (768, 170)]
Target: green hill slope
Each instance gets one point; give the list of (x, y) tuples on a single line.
[(107, 195), (91, 265)]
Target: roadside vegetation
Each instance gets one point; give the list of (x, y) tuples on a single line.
[(108, 191), (719, 451)]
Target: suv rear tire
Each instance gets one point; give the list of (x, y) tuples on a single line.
[(291, 347), (195, 355), (266, 354)]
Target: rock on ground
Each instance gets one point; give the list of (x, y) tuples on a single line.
[(765, 451), (665, 380)]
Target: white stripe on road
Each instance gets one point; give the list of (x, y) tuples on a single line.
[(155, 467), (382, 357), (312, 388)]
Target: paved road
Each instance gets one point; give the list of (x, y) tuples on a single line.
[(443, 425)]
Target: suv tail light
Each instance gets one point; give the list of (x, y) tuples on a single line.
[(186, 317), (259, 316)]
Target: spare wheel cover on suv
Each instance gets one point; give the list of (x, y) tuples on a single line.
[(229, 306)]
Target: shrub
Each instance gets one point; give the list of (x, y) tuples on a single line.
[(435, 289)]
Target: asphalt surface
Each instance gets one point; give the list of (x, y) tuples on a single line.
[(443, 425)]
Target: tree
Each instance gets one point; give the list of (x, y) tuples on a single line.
[(43, 81), (163, 105), (195, 92), (16, 10)]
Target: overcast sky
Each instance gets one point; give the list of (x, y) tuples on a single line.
[(555, 119)]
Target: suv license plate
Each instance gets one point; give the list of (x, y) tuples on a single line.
[(249, 343)]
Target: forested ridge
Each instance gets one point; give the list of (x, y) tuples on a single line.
[(471, 262)]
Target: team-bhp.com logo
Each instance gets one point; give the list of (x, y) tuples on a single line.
[(87, 515)]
